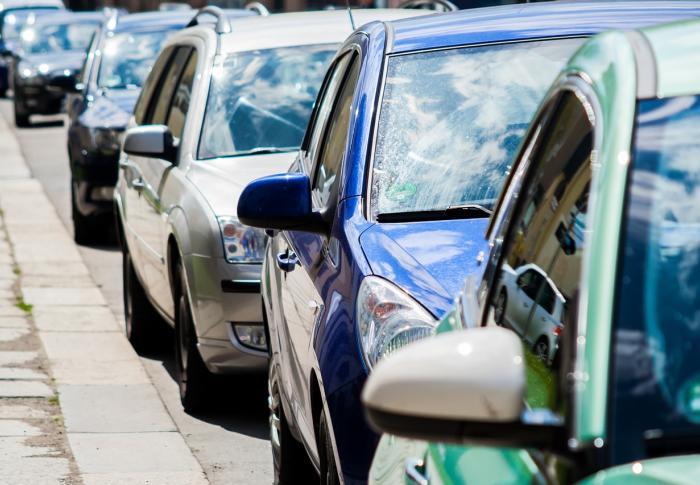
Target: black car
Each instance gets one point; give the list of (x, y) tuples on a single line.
[(14, 14), (119, 59), (54, 46)]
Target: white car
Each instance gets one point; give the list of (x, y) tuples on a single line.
[(225, 103), (530, 304)]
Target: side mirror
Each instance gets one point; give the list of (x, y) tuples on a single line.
[(280, 202), (460, 387), (64, 84), (154, 141)]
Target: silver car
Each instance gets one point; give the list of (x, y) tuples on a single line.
[(225, 103)]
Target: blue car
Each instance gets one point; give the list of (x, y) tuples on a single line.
[(382, 215)]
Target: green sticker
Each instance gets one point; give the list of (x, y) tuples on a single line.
[(401, 192)]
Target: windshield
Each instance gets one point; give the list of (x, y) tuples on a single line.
[(45, 39), (127, 58), (451, 122), (260, 101), (656, 369), (14, 21)]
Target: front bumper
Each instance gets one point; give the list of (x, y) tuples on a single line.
[(224, 295), (95, 175), (37, 99)]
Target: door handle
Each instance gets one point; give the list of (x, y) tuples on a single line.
[(138, 184), (415, 472), (287, 261)]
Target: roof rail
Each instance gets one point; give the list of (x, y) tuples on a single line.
[(223, 26), (257, 7), (437, 5), (113, 19)]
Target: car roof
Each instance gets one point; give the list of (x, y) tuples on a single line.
[(11, 4), (303, 28), (534, 20), (67, 16), (677, 57), (167, 18)]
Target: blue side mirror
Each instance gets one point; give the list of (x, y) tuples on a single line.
[(280, 202)]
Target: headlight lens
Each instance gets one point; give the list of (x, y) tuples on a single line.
[(242, 244), (388, 319), (26, 70)]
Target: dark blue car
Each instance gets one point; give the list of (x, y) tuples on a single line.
[(382, 215)]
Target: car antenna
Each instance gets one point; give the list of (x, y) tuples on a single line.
[(352, 20)]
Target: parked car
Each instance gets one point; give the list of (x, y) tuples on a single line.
[(13, 17), (611, 146), (230, 103), (52, 47), (103, 97), (381, 217)]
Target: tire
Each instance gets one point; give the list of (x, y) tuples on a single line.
[(499, 312), (289, 458), (541, 349), (193, 377), (141, 319), (329, 469), (21, 116)]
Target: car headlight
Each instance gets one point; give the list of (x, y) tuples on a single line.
[(242, 244), (26, 70), (388, 319)]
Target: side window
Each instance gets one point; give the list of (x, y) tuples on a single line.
[(547, 232), (181, 98), (323, 108), (332, 148), (84, 75), (158, 112), (149, 86)]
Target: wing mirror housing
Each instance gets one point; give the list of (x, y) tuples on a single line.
[(153, 141), (281, 202), (464, 387)]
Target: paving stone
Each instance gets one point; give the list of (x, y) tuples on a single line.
[(57, 268), (20, 411), (58, 281), (16, 357), (16, 427), (22, 464), (13, 322), (6, 284), (81, 318), (162, 478), (11, 310), (132, 453), (84, 346), (114, 372), (41, 252), (24, 389), (105, 409), (62, 296), (7, 294), (11, 334), (20, 373)]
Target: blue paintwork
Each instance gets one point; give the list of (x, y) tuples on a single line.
[(429, 260), (276, 202)]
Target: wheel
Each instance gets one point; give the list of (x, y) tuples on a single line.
[(499, 311), (542, 349), (329, 470), (21, 116), (291, 463), (193, 377), (141, 319)]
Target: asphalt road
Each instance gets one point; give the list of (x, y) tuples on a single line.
[(230, 441)]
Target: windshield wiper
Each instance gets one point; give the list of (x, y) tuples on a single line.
[(463, 211), (264, 150)]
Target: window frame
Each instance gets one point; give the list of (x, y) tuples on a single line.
[(153, 81), (192, 56), (176, 70)]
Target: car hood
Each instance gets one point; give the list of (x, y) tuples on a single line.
[(428, 259), (221, 180), (111, 109), (57, 63), (683, 469)]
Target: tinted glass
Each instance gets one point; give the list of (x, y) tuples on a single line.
[(546, 237), (335, 139), (14, 21), (261, 100), (45, 39), (451, 121), (127, 58), (166, 86), (656, 369), (181, 98)]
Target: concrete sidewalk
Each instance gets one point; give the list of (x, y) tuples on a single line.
[(57, 336)]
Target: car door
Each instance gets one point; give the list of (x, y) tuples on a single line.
[(170, 110), (518, 311), (303, 305)]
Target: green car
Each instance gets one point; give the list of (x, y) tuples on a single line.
[(595, 250)]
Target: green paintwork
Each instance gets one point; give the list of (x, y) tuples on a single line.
[(607, 64)]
